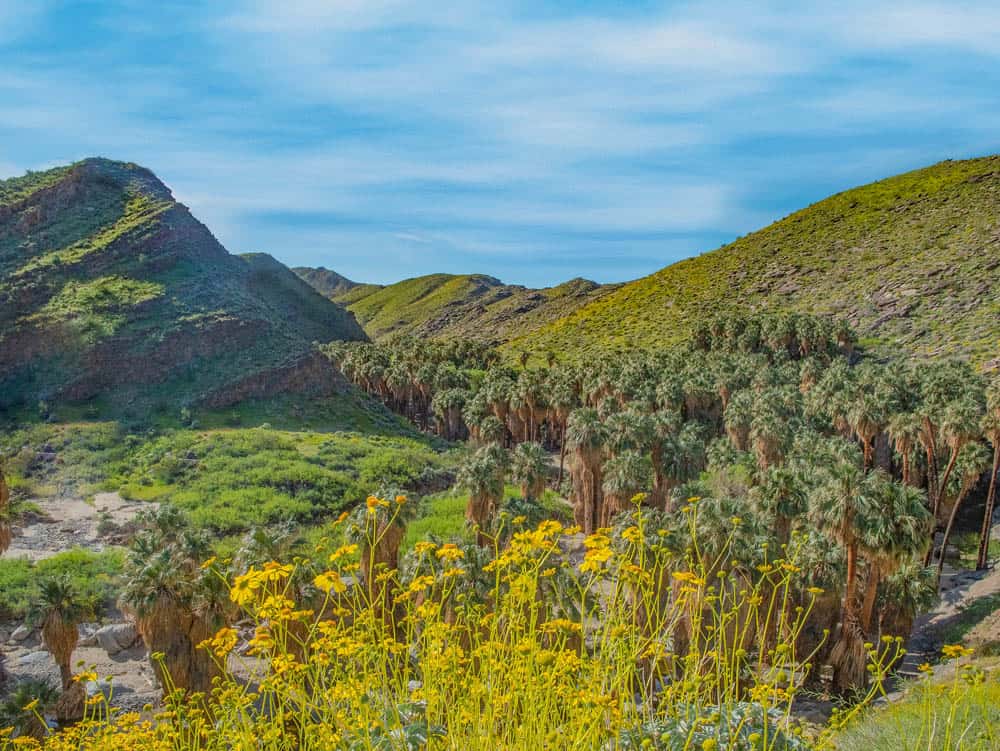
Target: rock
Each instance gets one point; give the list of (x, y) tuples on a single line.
[(20, 633), (116, 637), (34, 658)]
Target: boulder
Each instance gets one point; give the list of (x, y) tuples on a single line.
[(20, 633), (116, 637)]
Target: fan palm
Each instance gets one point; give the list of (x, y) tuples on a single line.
[(841, 506), (959, 426), (904, 432), (896, 532), (529, 467), (625, 476), (176, 603), (586, 436), (481, 476), (59, 609), (781, 496)]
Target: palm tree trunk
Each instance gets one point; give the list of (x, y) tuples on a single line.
[(944, 479), (850, 589), (947, 530), (991, 496), (562, 455), (868, 607), (906, 467)]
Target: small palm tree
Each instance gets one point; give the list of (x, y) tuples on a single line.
[(59, 609), (529, 467), (481, 476), (781, 495), (625, 476), (904, 431), (40, 695), (176, 602)]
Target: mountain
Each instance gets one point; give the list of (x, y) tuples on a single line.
[(445, 305), (111, 288), (329, 283), (912, 261)]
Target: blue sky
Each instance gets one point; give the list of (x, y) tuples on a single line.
[(534, 141)]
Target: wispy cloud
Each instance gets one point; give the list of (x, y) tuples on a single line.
[(388, 138)]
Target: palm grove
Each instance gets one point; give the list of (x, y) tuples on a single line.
[(774, 419)]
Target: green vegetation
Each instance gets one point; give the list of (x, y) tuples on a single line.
[(230, 480), (94, 576), (909, 260), (16, 189), (935, 715), (442, 515)]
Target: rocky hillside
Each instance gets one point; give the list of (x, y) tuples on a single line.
[(108, 286), (331, 284), (912, 261), (445, 305)]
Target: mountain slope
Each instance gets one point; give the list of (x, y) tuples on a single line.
[(471, 305), (912, 261), (109, 286), (328, 283)]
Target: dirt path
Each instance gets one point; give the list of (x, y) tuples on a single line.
[(65, 523)]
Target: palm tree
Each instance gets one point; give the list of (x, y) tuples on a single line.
[(682, 456), (586, 435), (26, 723), (529, 467), (177, 604), (959, 426), (991, 429), (897, 532), (867, 416), (738, 417), (781, 496), (904, 432), (378, 528), (5, 531), (973, 460), (625, 476), (841, 506), (60, 609), (481, 476), (909, 591)]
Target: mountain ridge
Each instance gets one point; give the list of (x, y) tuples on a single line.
[(108, 285), (910, 261)]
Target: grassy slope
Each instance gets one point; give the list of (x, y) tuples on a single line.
[(261, 462), (107, 282), (912, 260), (471, 305)]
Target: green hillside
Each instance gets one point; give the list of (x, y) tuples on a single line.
[(109, 286), (912, 261), (471, 306)]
